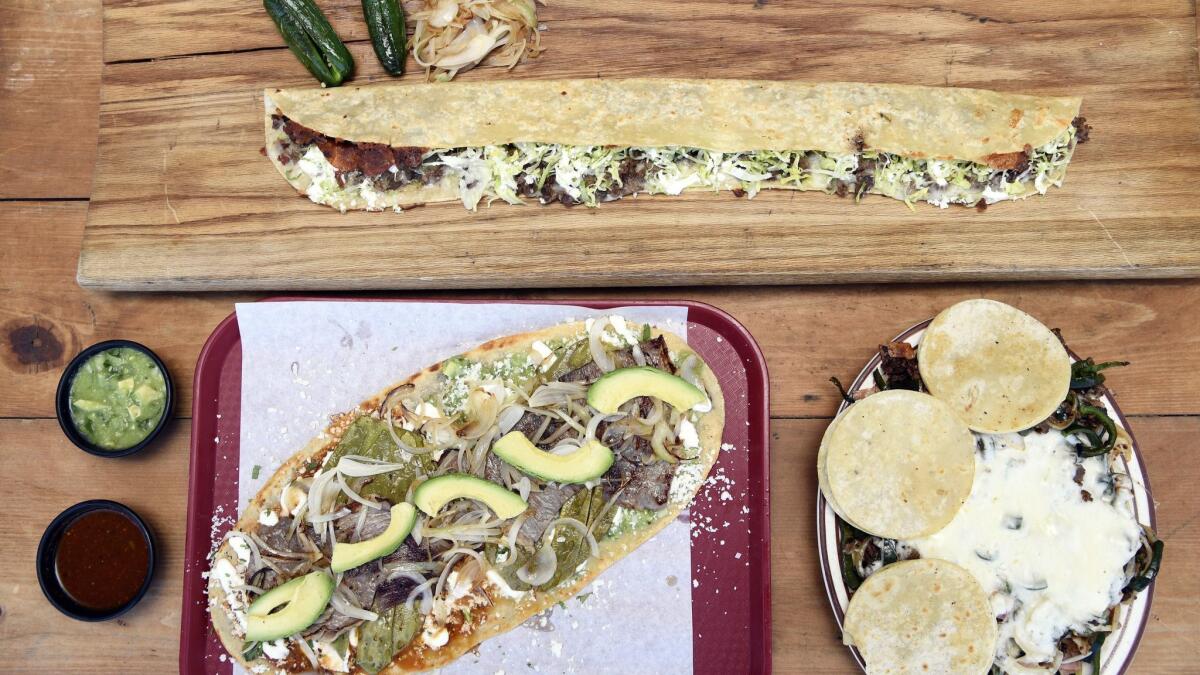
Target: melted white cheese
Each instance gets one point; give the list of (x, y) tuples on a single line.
[(1051, 560)]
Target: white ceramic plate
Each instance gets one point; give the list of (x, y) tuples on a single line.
[(1119, 647)]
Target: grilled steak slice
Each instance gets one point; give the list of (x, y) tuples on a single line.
[(544, 508)]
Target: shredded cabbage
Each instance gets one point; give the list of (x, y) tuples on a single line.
[(588, 174)]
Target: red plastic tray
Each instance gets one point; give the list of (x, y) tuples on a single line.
[(731, 601)]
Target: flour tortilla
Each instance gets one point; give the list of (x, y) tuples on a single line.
[(922, 617), (721, 115), (504, 613), (999, 368), (898, 464)]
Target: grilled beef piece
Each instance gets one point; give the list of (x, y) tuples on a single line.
[(646, 479), (864, 177), (276, 536), (656, 353), (1083, 130), (531, 423), (334, 622), (371, 159), (392, 592), (362, 581), (374, 523), (646, 486), (544, 508), (898, 361)]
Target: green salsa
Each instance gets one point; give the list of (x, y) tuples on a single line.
[(117, 398)]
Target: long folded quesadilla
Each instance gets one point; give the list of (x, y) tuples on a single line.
[(591, 141), (466, 499)]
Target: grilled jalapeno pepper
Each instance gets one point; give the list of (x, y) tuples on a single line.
[(310, 37), (385, 22)]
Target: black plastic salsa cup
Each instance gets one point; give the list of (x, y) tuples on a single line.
[(48, 550), (62, 401)]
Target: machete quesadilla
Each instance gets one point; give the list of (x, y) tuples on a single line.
[(465, 499), (591, 141), (1047, 533)]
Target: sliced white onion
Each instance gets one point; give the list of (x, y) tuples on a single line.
[(361, 467), (510, 540), (557, 392), (523, 487), (509, 416), (599, 354), (422, 590), (344, 607), (326, 517), (358, 526), (322, 490), (354, 495), (594, 423), (484, 409), (566, 447), (443, 14), (480, 451), (308, 652), (410, 449), (607, 507), (541, 568), (571, 422), (578, 527), (658, 440), (441, 581)]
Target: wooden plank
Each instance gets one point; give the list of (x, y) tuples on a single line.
[(804, 635), (50, 68), (808, 334), (182, 27), (805, 638), (54, 475), (46, 318), (183, 199)]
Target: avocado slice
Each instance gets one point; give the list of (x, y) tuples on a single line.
[(348, 556), (590, 461), (435, 493), (612, 389), (302, 601)]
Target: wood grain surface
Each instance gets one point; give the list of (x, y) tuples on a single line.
[(184, 200), (807, 334)]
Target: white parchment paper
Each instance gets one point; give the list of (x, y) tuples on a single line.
[(304, 361)]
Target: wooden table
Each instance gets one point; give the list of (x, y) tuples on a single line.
[(49, 62)]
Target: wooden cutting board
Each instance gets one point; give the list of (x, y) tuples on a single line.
[(183, 198)]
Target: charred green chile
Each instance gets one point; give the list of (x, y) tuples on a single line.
[(385, 22), (311, 39), (1143, 580), (1086, 374), (368, 437), (380, 640), (1100, 439)]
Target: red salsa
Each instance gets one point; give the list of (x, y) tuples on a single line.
[(102, 560)]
